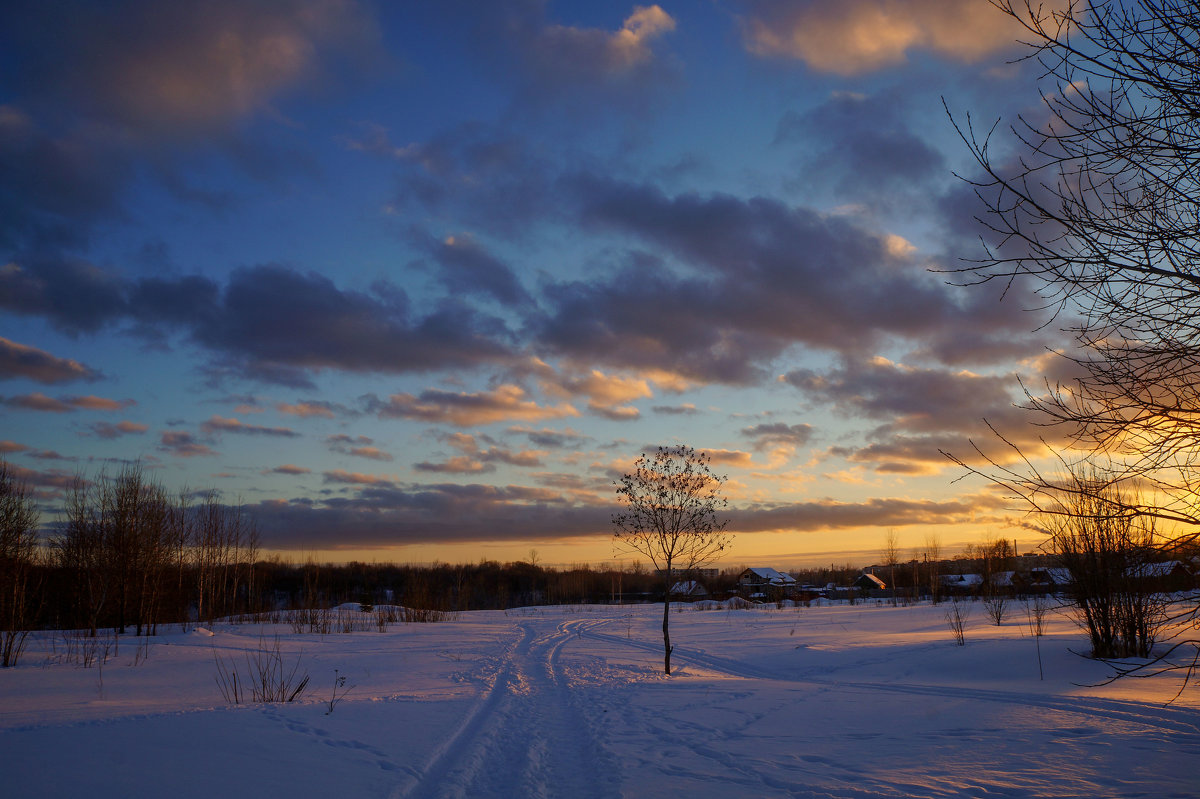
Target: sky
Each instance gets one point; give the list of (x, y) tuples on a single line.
[(419, 281)]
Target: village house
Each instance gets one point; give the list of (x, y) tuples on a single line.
[(761, 582), (689, 589), (868, 582)]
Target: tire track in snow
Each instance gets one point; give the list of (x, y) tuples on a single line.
[(524, 736)]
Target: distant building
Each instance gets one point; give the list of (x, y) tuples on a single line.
[(760, 579), (868, 582), (690, 589), (961, 583)]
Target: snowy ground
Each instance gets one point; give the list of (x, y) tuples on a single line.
[(843, 701)]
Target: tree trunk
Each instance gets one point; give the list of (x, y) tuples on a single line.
[(667, 632)]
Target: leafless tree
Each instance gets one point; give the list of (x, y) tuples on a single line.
[(1107, 549), (891, 556), (933, 557), (79, 550), (672, 502), (18, 555), (1100, 215), (956, 619)]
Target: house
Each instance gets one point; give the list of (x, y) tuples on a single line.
[(868, 582), (961, 584), (1049, 580), (1170, 575), (690, 589), (762, 580), (1006, 582)]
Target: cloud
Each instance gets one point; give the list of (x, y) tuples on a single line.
[(608, 395), (19, 360), (358, 446), (74, 295), (268, 322), (289, 469), (184, 445), (572, 53), (926, 412), (856, 36), (311, 408), (383, 513), (547, 438), (221, 424), (773, 434), (48, 484), (760, 277), (111, 431), (356, 478), (170, 70), (730, 457), (483, 176), (505, 403), (460, 464), (916, 398), (875, 158), (273, 315), (38, 401), (476, 459), (829, 514), (466, 267), (685, 409), (133, 89)]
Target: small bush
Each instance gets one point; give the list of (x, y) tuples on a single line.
[(269, 678)]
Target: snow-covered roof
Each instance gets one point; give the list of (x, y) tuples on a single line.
[(1058, 576), (769, 575), (872, 579), (962, 579), (1164, 569), (1003, 578), (688, 587)]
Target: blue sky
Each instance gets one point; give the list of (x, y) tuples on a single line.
[(418, 281)]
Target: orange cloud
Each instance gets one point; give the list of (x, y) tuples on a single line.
[(357, 478), (220, 424), (506, 403), (305, 409), (729, 457), (288, 468), (186, 66), (855, 36), (38, 401), (616, 52)]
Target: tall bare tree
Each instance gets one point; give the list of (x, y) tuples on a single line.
[(18, 553), (672, 502), (1099, 212), (891, 556)]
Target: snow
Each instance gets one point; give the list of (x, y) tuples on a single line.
[(843, 700)]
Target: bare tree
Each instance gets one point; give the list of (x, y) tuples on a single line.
[(1106, 549), (18, 556), (891, 556), (933, 557), (1100, 215), (670, 517), (79, 551)]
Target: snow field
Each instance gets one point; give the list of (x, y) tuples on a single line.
[(839, 701)]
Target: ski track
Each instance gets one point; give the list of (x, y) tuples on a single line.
[(525, 731), (1166, 719)]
